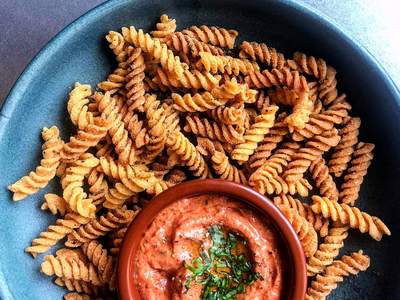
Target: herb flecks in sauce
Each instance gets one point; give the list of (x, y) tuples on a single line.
[(225, 269)]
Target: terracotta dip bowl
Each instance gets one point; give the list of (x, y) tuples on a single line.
[(295, 267)]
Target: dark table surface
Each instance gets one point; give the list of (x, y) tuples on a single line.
[(26, 26)]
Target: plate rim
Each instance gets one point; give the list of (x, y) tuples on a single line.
[(28, 74)]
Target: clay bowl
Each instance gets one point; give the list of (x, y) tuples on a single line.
[(296, 278)]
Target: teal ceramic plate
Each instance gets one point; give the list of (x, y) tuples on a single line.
[(80, 53)]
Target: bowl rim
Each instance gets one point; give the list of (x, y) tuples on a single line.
[(136, 230)]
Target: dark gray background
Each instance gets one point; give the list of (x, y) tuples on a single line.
[(26, 26)]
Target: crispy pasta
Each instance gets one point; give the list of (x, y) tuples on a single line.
[(216, 36), (262, 53)]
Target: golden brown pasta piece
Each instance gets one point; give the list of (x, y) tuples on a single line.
[(320, 224), (189, 80), (190, 46), (84, 139), (220, 95), (274, 165), (77, 105), (188, 153), (213, 130), (275, 77), (224, 169), (307, 235), (165, 28), (98, 227), (70, 268), (98, 185), (352, 216), (354, 177), (229, 115), (72, 184), (309, 65), (207, 147), (313, 93), (43, 173), (156, 128), (313, 148), (225, 64), (323, 121), (124, 146), (216, 36), (79, 286), (262, 101), (328, 250), (268, 144), (324, 284), (134, 79), (323, 180), (255, 134), (133, 179), (262, 53), (168, 60), (301, 112), (327, 89), (277, 185), (344, 150), (99, 257), (117, 45), (56, 232), (115, 82), (55, 204)]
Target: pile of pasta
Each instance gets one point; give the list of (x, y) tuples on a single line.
[(186, 104)]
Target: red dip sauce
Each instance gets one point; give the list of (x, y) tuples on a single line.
[(180, 234)]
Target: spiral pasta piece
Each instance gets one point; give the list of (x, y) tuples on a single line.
[(352, 216), (115, 82), (55, 204), (134, 79), (77, 105), (268, 144), (262, 53), (301, 112), (275, 77), (189, 80), (207, 147), (43, 173), (327, 89), (124, 146), (117, 241), (307, 235), (168, 60), (216, 36), (277, 185), (323, 121), (309, 65), (328, 250), (76, 296), (354, 177), (344, 150), (255, 134), (79, 286), (274, 165), (262, 101), (225, 64), (190, 46), (214, 131), (188, 153), (324, 284), (99, 257), (229, 115), (72, 184), (156, 128), (320, 224), (225, 170), (133, 179), (84, 139), (323, 180), (70, 268), (165, 28), (312, 150), (117, 45), (98, 227), (55, 233)]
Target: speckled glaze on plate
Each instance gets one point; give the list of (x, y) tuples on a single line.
[(79, 53)]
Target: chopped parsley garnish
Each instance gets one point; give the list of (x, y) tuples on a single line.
[(224, 269)]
